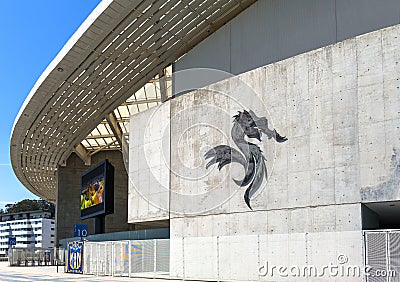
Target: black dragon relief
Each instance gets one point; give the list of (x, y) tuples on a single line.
[(250, 156)]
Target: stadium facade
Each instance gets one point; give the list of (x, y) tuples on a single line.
[(264, 134)]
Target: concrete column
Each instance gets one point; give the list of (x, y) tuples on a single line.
[(68, 196)]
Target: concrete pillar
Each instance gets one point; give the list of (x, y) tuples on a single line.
[(68, 196)]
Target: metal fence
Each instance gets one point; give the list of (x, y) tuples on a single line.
[(382, 255), (145, 258), (31, 257), (60, 255)]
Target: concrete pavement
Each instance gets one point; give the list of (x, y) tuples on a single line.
[(49, 273)]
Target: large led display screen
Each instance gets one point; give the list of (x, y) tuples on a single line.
[(97, 191), (92, 192)]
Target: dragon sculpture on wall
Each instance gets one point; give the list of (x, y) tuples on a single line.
[(250, 156)]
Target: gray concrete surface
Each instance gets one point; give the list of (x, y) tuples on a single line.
[(49, 273), (273, 30), (338, 106)]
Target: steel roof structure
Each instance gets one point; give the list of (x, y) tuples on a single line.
[(103, 138), (118, 49)]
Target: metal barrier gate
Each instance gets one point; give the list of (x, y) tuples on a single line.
[(31, 257), (382, 255), (147, 258)]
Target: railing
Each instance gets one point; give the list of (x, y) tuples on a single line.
[(382, 255), (31, 256), (60, 256), (135, 258)]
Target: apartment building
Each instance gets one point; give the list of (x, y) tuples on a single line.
[(32, 229)]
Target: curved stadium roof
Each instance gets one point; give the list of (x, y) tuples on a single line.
[(100, 72)]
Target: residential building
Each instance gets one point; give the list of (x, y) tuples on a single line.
[(32, 229)]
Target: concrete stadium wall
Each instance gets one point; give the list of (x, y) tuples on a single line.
[(273, 30), (338, 105), (68, 195), (149, 161), (339, 108)]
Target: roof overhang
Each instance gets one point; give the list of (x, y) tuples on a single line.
[(120, 47)]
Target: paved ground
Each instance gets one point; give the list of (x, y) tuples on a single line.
[(49, 273)]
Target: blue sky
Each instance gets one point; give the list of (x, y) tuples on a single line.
[(32, 33)]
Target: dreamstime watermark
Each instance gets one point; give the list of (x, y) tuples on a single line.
[(340, 268)]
